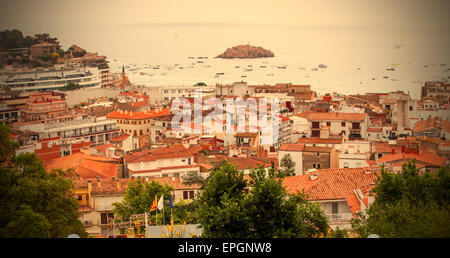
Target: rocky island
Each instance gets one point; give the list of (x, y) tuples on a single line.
[(246, 51)]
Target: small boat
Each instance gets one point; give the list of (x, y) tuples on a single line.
[(181, 67), (281, 67), (270, 74), (156, 67), (200, 62), (390, 69), (191, 57), (385, 77), (373, 79), (190, 66), (217, 76), (249, 65), (248, 70), (315, 69), (243, 76), (262, 66), (322, 66), (237, 66), (220, 73), (207, 66)]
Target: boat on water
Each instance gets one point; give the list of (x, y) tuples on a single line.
[(220, 73), (270, 74), (191, 66), (237, 66), (207, 66), (200, 62), (281, 67), (191, 57), (249, 65), (262, 66), (248, 70), (181, 67), (243, 76), (164, 74), (385, 77), (315, 69), (322, 66), (157, 67), (390, 69), (217, 76)]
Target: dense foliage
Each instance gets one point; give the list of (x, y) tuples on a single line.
[(266, 211), (35, 203), (408, 205)]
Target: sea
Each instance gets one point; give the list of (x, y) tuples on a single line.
[(354, 59)]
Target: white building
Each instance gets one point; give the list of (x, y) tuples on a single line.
[(51, 78)]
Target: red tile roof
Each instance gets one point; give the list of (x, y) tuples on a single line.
[(427, 158), (321, 116), (431, 123), (331, 184), (87, 166), (174, 151), (374, 129), (314, 140), (120, 138), (138, 115), (292, 147)]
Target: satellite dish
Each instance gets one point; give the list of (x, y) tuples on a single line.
[(373, 236), (73, 236)]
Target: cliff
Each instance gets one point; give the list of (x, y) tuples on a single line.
[(246, 51)]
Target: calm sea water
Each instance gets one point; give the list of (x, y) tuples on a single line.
[(356, 57)]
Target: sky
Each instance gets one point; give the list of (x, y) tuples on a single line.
[(37, 15)]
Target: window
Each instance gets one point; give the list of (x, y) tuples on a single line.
[(106, 217), (334, 207), (314, 165), (388, 107), (343, 124), (355, 125), (80, 198), (187, 195), (315, 124), (318, 165), (328, 123), (410, 108)]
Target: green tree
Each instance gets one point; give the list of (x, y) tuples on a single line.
[(224, 210), (408, 205), (35, 203), (200, 84), (275, 213), (221, 206), (7, 146), (287, 166), (139, 198)]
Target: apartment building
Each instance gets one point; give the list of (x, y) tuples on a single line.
[(48, 79), (336, 125)]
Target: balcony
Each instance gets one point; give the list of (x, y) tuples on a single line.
[(339, 217)]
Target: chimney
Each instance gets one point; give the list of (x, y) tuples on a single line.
[(312, 177), (89, 191), (370, 199), (98, 182)]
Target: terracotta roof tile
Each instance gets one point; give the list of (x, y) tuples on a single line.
[(331, 184)]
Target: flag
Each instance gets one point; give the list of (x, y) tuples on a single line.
[(161, 203), (154, 204), (170, 202)]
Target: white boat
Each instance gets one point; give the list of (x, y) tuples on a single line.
[(322, 66)]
